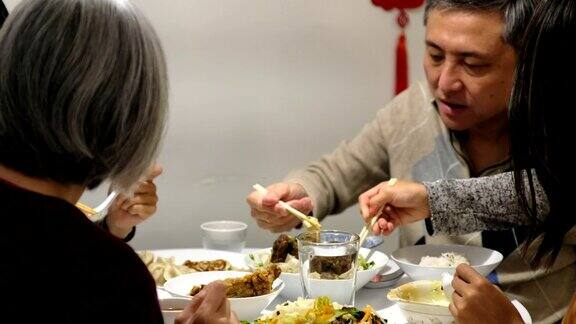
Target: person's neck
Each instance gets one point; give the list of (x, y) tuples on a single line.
[(488, 144), (68, 192)]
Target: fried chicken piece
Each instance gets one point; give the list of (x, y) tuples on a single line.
[(214, 265), (255, 284), (284, 245)]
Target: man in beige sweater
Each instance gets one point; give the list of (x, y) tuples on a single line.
[(452, 126)]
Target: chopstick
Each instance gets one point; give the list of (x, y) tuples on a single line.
[(308, 221), (368, 227), (89, 211)]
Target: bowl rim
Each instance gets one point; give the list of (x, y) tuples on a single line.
[(394, 255), (206, 226), (355, 238)]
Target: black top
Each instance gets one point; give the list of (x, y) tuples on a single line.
[(56, 266), (3, 13)]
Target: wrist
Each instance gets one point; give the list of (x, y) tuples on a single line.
[(118, 231)]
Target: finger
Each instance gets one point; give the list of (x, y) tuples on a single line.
[(263, 224), (144, 199), (224, 309), (142, 211), (468, 274), (304, 205), (153, 172), (453, 310), (383, 197), (460, 286), (364, 200), (215, 296), (120, 200), (264, 216), (196, 301), (276, 192), (385, 227), (192, 306), (145, 187)]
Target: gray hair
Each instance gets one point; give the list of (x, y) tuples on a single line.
[(516, 14), (83, 91)]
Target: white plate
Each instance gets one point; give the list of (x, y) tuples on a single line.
[(181, 255), (248, 308)]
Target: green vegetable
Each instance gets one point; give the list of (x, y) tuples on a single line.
[(363, 265)]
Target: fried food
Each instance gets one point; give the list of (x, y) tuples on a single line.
[(284, 245), (214, 265), (255, 284)]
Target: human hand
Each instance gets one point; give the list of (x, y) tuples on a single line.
[(270, 215), (403, 203), (209, 306), (476, 300), (125, 213)]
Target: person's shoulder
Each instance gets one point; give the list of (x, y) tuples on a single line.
[(413, 106), (416, 98)]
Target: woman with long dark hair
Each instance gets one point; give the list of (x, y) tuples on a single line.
[(536, 195)]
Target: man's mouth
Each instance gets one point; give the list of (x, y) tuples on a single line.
[(452, 105)]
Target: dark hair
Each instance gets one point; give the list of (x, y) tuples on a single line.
[(541, 131), (83, 91), (516, 14)]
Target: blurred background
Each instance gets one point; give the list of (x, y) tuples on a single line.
[(259, 88)]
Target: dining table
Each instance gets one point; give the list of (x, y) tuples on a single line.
[(375, 297)]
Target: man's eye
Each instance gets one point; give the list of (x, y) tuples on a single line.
[(436, 58)]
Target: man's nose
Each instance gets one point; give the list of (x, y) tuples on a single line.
[(449, 80)]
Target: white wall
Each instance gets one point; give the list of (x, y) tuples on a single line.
[(259, 87)]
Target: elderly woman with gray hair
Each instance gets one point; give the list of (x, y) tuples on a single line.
[(83, 98)]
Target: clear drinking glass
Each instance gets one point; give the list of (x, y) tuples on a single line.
[(328, 262), (224, 235)]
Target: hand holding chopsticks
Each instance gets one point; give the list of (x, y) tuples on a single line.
[(367, 229), (308, 221)]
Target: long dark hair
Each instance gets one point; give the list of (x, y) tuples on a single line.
[(540, 122)]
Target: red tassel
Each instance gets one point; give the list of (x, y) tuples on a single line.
[(401, 64)]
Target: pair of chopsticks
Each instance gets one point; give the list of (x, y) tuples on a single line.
[(308, 221), (367, 229), (97, 212), (89, 211)]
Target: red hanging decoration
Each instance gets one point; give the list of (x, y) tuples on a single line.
[(401, 49)]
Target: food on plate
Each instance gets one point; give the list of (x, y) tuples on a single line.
[(213, 265), (427, 292), (364, 264), (319, 311), (163, 269), (447, 259), (257, 283), (283, 246)]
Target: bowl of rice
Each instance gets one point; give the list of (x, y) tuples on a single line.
[(428, 262)]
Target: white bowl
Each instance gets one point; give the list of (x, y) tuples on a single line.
[(293, 288), (248, 308), (481, 259), (172, 307)]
